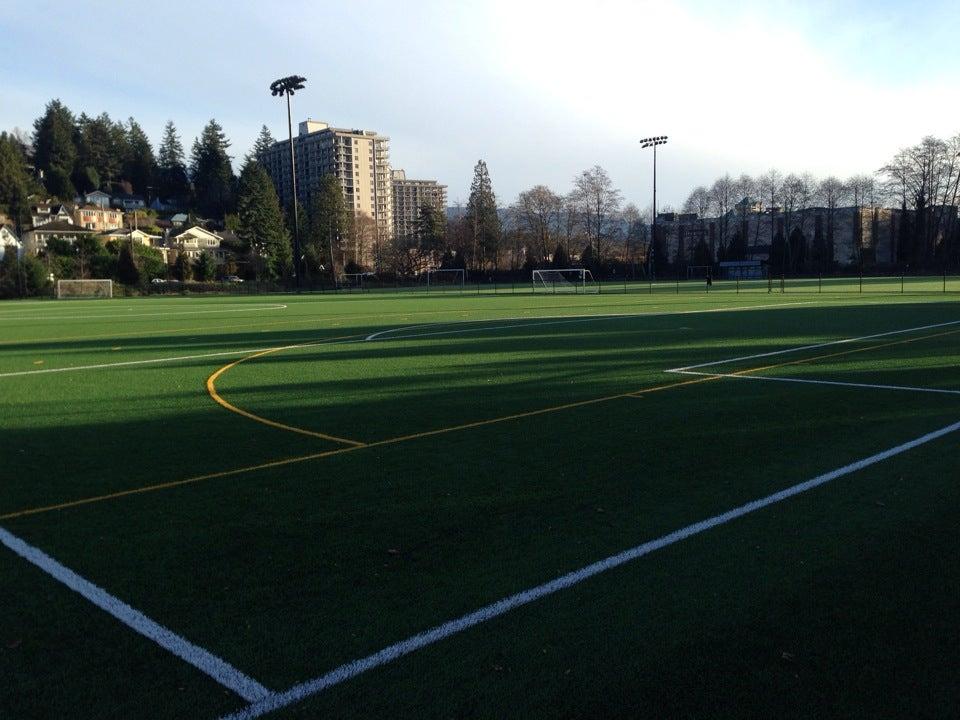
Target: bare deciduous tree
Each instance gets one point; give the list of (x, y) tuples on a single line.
[(599, 204)]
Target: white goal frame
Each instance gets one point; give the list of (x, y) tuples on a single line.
[(457, 271), (542, 280), (105, 291)]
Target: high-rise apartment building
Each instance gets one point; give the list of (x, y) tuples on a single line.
[(359, 159), (409, 196)]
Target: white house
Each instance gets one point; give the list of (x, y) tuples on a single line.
[(43, 213), (9, 240), (138, 236), (195, 240)]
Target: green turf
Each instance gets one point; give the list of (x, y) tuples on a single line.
[(838, 603)]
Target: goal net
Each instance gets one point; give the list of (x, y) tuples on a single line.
[(445, 279), (575, 280), (84, 289)]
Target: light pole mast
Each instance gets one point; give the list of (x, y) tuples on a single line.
[(645, 143), (288, 86)]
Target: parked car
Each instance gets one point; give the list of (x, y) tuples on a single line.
[(233, 279)]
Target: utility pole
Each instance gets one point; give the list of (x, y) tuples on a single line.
[(288, 86)]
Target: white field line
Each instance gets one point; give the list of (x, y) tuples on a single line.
[(812, 347), (806, 381), (278, 348), (560, 320), (261, 308), (393, 652), (218, 669)]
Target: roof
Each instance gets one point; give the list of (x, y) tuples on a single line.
[(61, 226), (97, 192), (179, 217)]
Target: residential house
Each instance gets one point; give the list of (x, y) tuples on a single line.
[(9, 240), (141, 238), (43, 213), (195, 240), (35, 240), (98, 198), (179, 220), (98, 219), (138, 236), (129, 202)]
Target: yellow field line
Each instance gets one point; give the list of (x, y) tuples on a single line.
[(217, 398), (430, 433)]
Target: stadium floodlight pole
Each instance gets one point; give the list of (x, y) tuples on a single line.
[(645, 143), (288, 86)]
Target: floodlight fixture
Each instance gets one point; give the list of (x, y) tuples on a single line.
[(287, 86)]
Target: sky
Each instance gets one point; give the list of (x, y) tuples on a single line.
[(539, 90)]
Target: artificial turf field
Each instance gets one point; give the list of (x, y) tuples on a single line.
[(288, 484)]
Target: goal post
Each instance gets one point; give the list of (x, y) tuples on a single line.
[(84, 289), (445, 278), (575, 280)]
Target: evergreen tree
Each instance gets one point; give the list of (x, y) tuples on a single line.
[(55, 149), (15, 183), (560, 258), (261, 227), (432, 231), (211, 172), (141, 164), (127, 271), (205, 267), (327, 224), (181, 267), (482, 218), (171, 166), (102, 150), (263, 143)]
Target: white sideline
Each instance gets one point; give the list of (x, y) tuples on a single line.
[(812, 347), (807, 381), (216, 668), (265, 306), (393, 652)]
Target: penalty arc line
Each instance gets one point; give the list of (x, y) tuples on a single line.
[(216, 668), (489, 612)]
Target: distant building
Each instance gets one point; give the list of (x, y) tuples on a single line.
[(35, 240), (98, 198), (138, 236), (359, 159), (42, 213), (196, 240), (129, 202), (409, 196), (179, 220), (9, 242), (96, 218)]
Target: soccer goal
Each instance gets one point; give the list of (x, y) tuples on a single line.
[(89, 289), (575, 280), (445, 279), (356, 281)]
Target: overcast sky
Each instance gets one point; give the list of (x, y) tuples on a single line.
[(540, 90)]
